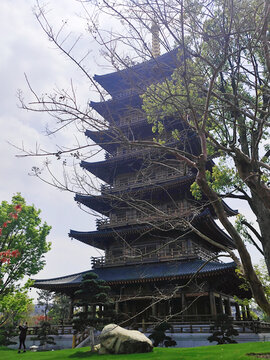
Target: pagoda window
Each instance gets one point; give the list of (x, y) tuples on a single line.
[(117, 252), (121, 215), (132, 116)]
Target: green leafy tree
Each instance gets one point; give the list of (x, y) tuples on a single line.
[(25, 234), (93, 297), (60, 311), (223, 330), (14, 305), (45, 301)]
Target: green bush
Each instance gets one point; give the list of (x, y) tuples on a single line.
[(159, 337), (223, 330)]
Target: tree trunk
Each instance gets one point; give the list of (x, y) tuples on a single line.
[(250, 176), (249, 273), (263, 216), (92, 339)]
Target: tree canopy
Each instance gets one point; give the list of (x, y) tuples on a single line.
[(26, 235)]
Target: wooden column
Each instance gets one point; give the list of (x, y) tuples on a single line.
[(184, 304), (154, 309), (228, 307), (117, 307), (220, 305), (125, 307), (248, 313), (237, 310), (71, 309), (213, 308)]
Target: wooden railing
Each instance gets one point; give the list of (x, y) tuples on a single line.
[(159, 256), (56, 329), (135, 183), (160, 214), (79, 338), (131, 153), (180, 324), (205, 324)]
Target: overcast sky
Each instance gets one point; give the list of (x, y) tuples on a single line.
[(25, 49)]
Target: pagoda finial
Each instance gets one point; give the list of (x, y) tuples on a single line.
[(155, 39)]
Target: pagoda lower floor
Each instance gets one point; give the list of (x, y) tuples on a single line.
[(176, 291)]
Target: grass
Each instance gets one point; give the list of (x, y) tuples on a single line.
[(224, 352)]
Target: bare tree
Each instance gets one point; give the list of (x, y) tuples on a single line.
[(219, 90)]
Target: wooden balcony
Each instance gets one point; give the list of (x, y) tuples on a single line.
[(130, 219), (138, 151), (133, 183), (159, 256)]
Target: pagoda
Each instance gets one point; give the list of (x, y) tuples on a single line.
[(157, 267)]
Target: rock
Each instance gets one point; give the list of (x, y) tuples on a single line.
[(116, 340), (97, 347)]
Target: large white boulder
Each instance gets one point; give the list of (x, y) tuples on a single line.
[(116, 340)]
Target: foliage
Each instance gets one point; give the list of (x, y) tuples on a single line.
[(262, 273), (44, 300), (159, 337), (93, 293), (44, 334), (24, 234), (223, 330), (59, 313), (6, 333), (14, 305)]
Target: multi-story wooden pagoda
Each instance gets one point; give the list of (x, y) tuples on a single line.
[(156, 266)]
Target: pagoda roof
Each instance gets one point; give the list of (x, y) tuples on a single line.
[(110, 138), (208, 227), (113, 109), (141, 273), (101, 204), (203, 221), (98, 238), (138, 76), (106, 170), (114, 198)]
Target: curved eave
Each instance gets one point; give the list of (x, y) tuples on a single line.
[(105, 139), (106, 170), (111, 138), (99, 238), (147, 72), (110, 200), (88, 238), (229, 211), (208, 227), (101, 204), (142, 273), (112, 110)]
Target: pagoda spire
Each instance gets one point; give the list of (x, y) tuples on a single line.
[(155, 39)]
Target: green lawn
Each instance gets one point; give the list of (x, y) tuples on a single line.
[(225, 352)]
